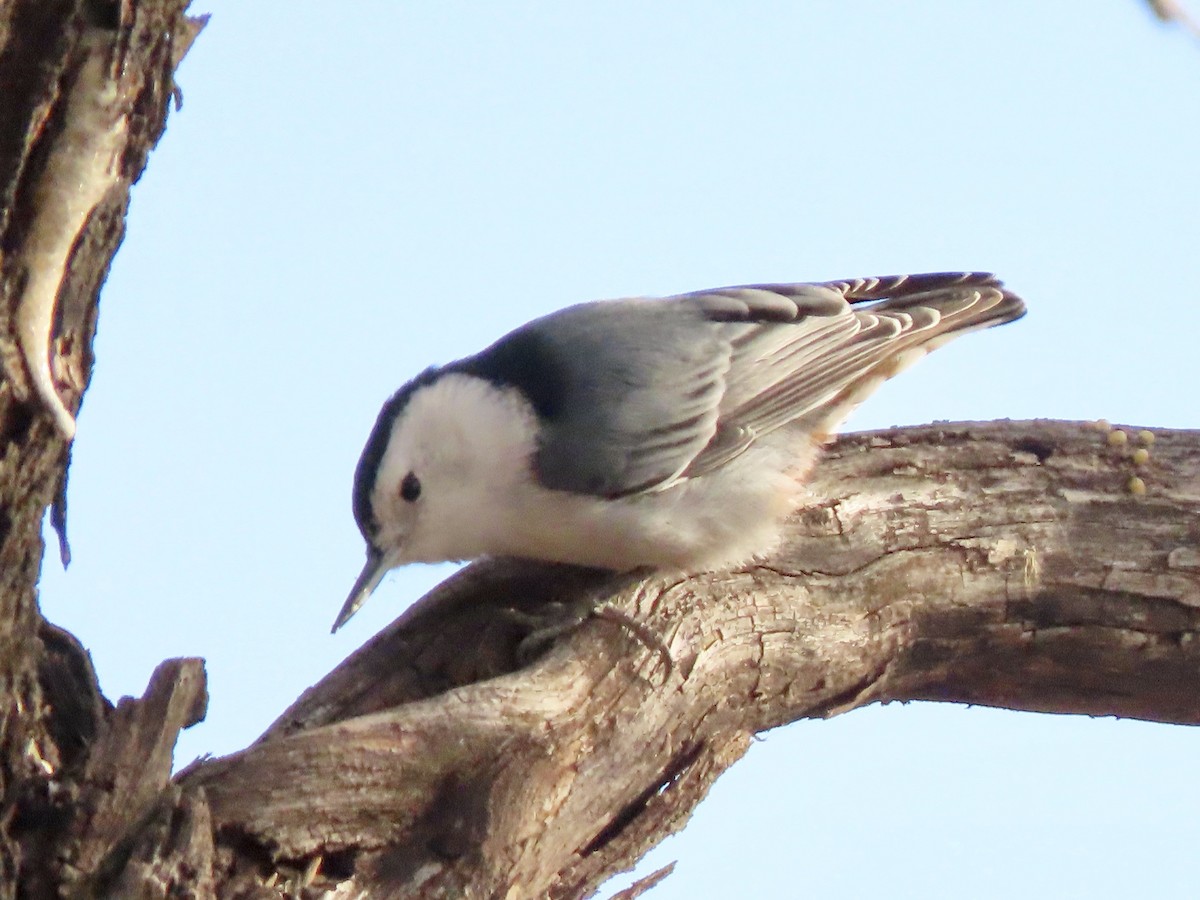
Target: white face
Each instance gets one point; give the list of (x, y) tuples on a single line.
[(456, 453)]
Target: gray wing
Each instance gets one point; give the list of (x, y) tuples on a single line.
[(627, 392), (635, 394), (814, 374)]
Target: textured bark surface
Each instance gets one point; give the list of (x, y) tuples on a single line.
[(1005, 564), (1041, 566), (78, 780)]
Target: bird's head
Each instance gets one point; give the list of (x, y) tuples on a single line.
[(443, 449)]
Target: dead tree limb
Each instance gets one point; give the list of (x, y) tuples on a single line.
[(1005, 564)]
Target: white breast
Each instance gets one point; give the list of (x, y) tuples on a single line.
[(473, 446)]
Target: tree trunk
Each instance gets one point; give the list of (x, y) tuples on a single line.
[(84, 89), (1038, 565)]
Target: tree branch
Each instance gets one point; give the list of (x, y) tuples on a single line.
[(1006, 564)]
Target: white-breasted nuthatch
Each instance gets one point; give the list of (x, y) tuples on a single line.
[(669, 433)]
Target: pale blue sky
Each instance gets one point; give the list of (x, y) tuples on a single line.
[(347, 198)]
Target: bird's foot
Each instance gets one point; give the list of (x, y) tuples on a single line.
[(563, 618)]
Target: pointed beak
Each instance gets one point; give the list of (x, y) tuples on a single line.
[(377, 566)]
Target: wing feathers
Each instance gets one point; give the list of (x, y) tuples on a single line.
[(655, 391), (820, 369)]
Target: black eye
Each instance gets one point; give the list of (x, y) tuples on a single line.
[(410, 487)]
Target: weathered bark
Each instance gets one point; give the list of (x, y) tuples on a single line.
[(84, 89), (1006, 564), (1009, 564)]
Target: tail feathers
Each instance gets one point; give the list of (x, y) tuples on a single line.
[(980, 295), (941, 307), (812, 375), (899, 287), (925, 312)]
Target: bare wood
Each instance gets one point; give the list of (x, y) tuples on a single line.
[(129, 765), (86, 87), (1006, 564), (171, 854)]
